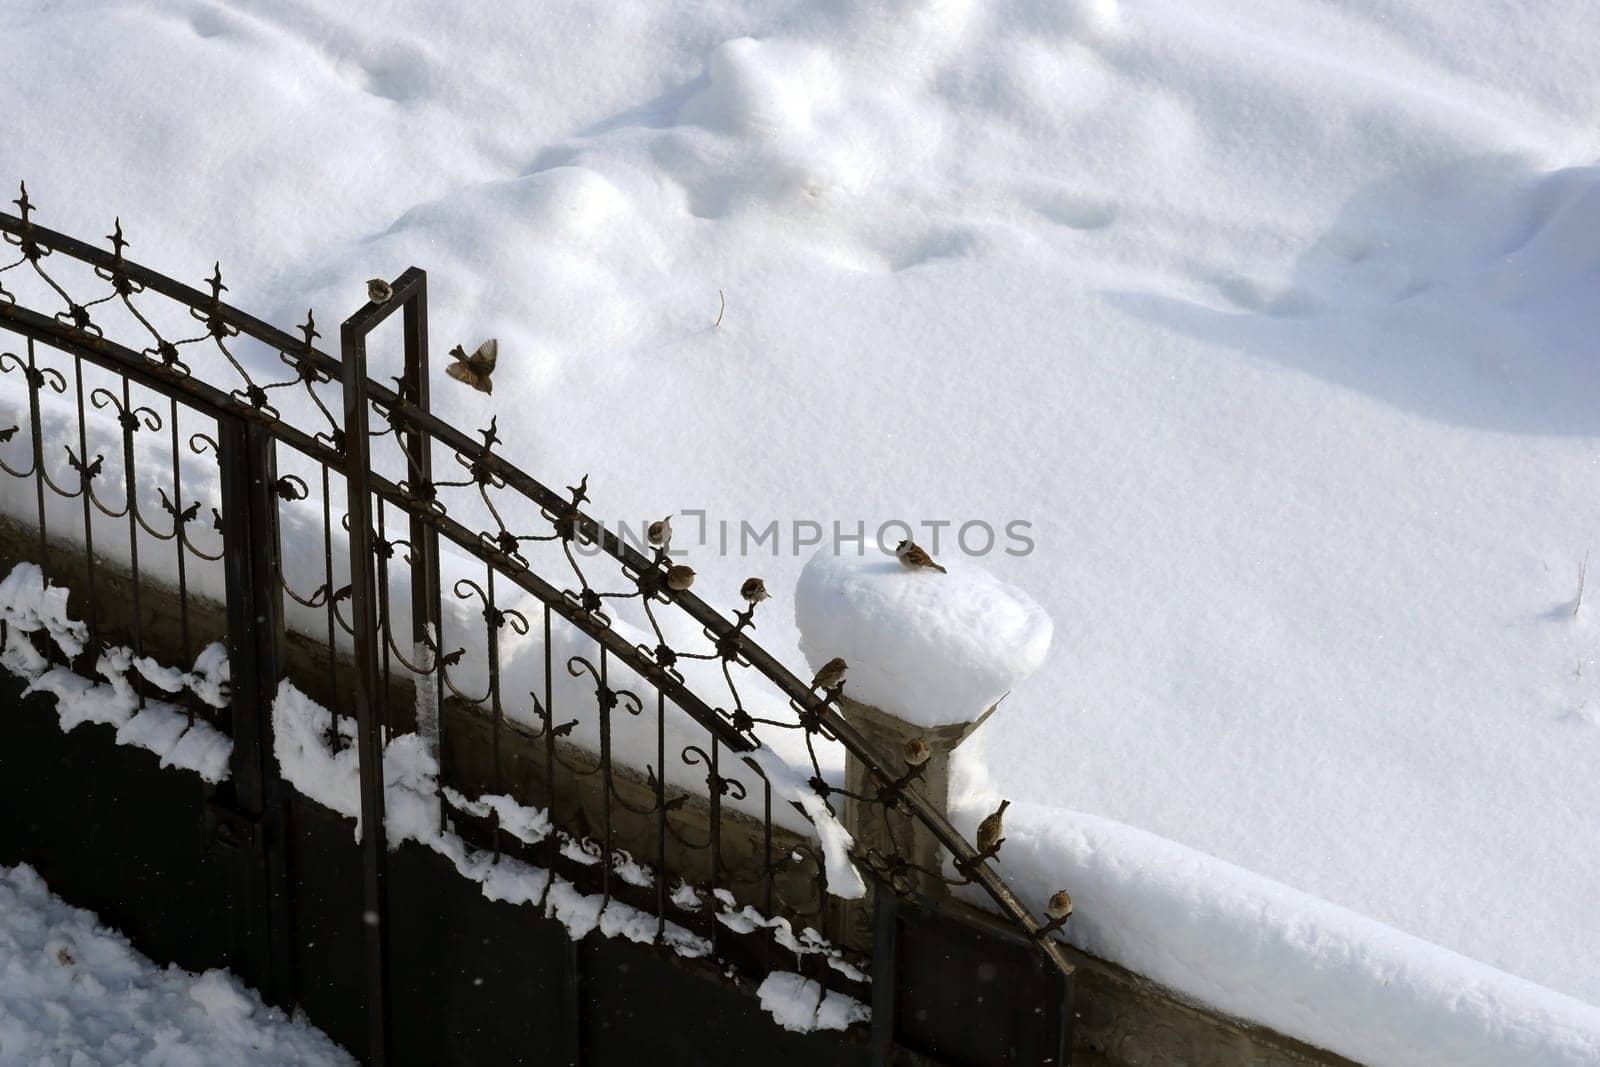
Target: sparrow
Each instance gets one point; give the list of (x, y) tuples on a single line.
[(680, 578), (659, 533), (379, 291), (990, 828), (831, 676), (917, 752), (476, 368), (754, 591), (912, 555), (1059, 906)]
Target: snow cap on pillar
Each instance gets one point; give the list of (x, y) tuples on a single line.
[(931, 649)]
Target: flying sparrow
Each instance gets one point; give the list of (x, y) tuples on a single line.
[(1059, 906), (476, 368), (379, 291), (990, 828), (754, 591), (831, 676), (660, 533), (912, 555), (917, 752), (679, 578)]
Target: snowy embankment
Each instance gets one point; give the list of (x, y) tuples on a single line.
[(1256, 949), (1277, 324), (936, 649), (74, 992)]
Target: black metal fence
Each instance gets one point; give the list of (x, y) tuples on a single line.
[(144, 382)]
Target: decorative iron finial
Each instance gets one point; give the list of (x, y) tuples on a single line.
[(215, 281), (580, 492), (22, 202), (309, 328), (491, 436), (116, 239)]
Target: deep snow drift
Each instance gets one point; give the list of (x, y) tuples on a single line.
[(1277, 325), (72, 991)]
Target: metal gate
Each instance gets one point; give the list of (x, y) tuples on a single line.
[(384, 655)]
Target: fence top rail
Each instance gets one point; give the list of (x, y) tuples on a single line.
[(74, 327)]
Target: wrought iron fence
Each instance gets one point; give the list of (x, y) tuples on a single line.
[(359, 606)]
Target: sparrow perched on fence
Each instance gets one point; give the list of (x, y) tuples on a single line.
[(990, 829), (754, 591), (917, 752), (1059, 906), (379, 291), (831, 676), (680, 578), (912, 555), (476, 368), (659, 533)]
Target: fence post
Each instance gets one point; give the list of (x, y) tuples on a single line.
[(424, 536), (256, 822), (890, 832), (369, 739)]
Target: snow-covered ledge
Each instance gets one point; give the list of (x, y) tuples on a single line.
[(930, 657)]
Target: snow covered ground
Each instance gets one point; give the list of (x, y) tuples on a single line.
[(73, 992), (1276, 322)]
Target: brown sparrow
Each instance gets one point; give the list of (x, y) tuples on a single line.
[(917, 752), (659, 533), (912, 555), (1059, 906), (831, 676), (379, 291), (680, 578), (754, 591), (476, 368), (990, 828)]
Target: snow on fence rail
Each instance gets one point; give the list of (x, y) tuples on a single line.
[(449, 579)]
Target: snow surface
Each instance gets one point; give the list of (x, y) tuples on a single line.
[(1276, 322), (933, 649), (1373, 993), (798, 1003), (411, 813), (74, 992), (29, 604)]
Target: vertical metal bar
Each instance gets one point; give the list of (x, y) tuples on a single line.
[(328, 607), (184, 649), (364, 621), (714, 802), (491, 621), (552, 843), (661, 818), (251, 561), (605, 784), (385, 630), (91, 617), (36, 433), (885, 967), (129, 482), (572, 997), (424, 536)]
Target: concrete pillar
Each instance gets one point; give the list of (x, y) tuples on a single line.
[(892, 833)]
